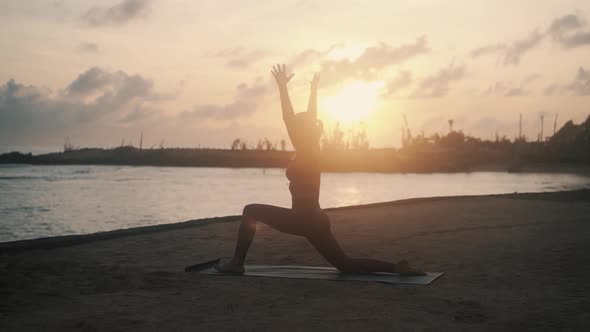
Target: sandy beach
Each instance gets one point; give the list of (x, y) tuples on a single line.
[(512, 262)]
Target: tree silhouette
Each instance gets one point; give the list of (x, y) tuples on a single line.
[(235, 144)]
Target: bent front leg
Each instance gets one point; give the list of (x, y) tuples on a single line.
[(245, 236), (281, 219)]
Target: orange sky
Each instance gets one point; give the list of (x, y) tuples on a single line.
[(198, 73)]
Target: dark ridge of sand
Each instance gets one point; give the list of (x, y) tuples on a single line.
[(71, 240), (512, 262)]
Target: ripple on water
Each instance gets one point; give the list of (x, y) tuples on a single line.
[(86, 199)]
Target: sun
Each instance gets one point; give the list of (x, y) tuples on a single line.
[(353, 103)]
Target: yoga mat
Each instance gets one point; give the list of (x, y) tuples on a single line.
[(314, 272)]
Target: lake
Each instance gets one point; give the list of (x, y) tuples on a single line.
[(41, 201)]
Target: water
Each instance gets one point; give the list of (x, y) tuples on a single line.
[(40, 201)]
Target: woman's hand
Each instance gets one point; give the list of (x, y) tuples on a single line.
[(314, 81), (280, 75)]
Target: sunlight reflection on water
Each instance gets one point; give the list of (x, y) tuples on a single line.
[(38, 201)]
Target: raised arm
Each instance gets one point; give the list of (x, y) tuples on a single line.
[(281, 77), (312, 106)]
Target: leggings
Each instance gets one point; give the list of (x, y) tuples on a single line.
[(312, 224)]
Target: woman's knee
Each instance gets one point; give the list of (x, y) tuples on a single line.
[(323, 223), (250, 210)]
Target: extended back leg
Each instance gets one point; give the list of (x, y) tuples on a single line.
[(329, 248)]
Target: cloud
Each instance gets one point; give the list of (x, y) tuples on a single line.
[(245, 104), (488, 49), (553, 89), (383, 55), (305, 57), (570, 31), (371, 61), (98, 80), (239, 57), (311, 55), (518, 48), (89, 48), (581, 83), (530, 78), (28, 108), (89, 81), (367, 66), (140, 113), (94, 98), (118, 14), (403, 80), (498, 88), (504, 89), (102, 106), (371, 64), (258, 89), (438, 85), (509, 90), (579, 86), (104, 91), (513, 52), (516, 92)]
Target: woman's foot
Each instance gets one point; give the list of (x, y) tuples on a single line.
[(230, 267), (404, 268)]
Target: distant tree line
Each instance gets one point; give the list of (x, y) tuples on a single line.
[(569, 135), (262, 145), (355, 138), (346, 151)]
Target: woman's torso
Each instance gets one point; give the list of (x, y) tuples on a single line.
[(304, 176)]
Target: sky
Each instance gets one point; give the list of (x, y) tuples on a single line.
[(197, 73)]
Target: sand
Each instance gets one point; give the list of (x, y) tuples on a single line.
[(512, 262)]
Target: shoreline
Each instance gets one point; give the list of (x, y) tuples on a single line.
[(570, 168), (77, 239)]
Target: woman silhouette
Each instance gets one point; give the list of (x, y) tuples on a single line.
[(305, 218)]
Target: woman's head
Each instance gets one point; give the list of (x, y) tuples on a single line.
[(308, 128)]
